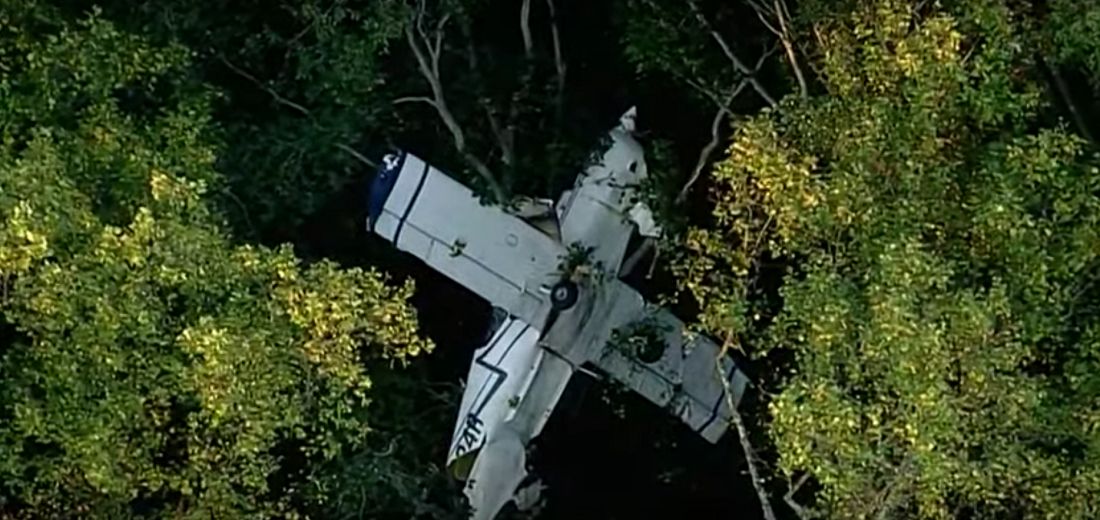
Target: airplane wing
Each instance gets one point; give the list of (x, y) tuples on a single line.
[(645, 347), (496, 255), (685, 373)]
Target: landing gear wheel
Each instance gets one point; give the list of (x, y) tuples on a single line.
[(563, 295)]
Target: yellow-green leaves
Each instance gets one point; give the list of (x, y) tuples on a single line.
[(940, 273), (150, 356), (21, 245)]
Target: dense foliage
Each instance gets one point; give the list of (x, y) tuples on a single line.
[(941, 254), (149, 365)]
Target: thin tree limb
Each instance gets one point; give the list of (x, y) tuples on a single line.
[(414, 99), (504, 138), (354, 153), (785, 37), (764, 13), (722, 112), (559, 61), (506, 150), (737, 63), (798, 509), (706, 151), (525, 29), (427, 51), (743, 437), (244, 209), (274, 95)]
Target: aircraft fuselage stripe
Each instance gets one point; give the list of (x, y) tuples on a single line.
[(412, 202), (717, 402), (502, 375)]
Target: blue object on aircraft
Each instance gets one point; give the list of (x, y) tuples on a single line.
[(382, 185)]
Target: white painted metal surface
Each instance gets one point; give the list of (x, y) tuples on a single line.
[(517, 379), (496, 255)]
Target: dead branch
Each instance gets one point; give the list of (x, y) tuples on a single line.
[(737, 63), (743, 436), (525, 29), (427, 51)]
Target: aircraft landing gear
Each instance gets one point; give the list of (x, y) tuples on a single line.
[(564, 295)]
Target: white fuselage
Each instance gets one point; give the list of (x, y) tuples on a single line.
[(516, 380)]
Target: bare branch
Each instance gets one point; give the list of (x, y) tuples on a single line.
[(427, 51), (798, 509), (437, 49), (270, 91), (244, 209), (785, 37), (715, 138), (559, 61), (354, 153), (764, 13), (414, 99), (708, 92), (525, 28), (505, 145), (737, 63), (743, 436)]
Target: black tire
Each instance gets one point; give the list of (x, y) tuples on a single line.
[(563, 295)]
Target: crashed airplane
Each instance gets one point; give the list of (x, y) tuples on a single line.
[(560, 307)]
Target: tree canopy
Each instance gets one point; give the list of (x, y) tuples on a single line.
[(151, 367), (938, 254)]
